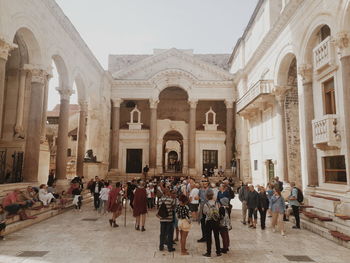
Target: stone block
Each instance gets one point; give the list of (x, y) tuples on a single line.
[(323, 204)]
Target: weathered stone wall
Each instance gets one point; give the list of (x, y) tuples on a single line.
[(292, 135)]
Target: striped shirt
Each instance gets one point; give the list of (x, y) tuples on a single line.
[(170, 204)]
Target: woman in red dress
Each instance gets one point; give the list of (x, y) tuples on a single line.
[(140, 206), (115, 204)]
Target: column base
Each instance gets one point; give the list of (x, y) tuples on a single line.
[(62, 184)]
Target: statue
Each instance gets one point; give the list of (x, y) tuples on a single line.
[(90, 157)]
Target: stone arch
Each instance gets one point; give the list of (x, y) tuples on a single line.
[(283, 65), (173, 78), (310, 38), (344, 21), (173, 129), (80, 85), (63, 78)]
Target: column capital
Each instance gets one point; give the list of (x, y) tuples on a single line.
[(6, 48), (83, 105), (65, 92), (116, 102), (193, 103), (38, 73), (306, 72), (229, 104), (341, 41), (280, 93), (153, 103)]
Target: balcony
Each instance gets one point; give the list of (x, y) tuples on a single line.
[(324, 54), (325, 133), (258, 91)]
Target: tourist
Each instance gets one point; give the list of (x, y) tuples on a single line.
[(3, 215), (104, 194), (216, 171), (225, 224), (175, 218), (194, 202), (270, 191), (51, 178), (130, 192), (165, 214), (145, 171), (278, 184), (52, 189), (115, 203), (13, 205), (233, 166), (231, 194), (252, 205), (95, 189), (211, 211), (77, 198), (150, 196), (243, 196), (44, 196), (202, 201), (294, 203), (89, 185), (277, 207), (263, 206), (28, 196), (223, 192), (221, 171), (140, 206), (182, 213), (215, 188)]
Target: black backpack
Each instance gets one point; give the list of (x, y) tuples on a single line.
[(300, 196), (163, 211), (231, 192)]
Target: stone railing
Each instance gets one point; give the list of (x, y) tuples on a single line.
[(323, 54), (325, 133), (260, 88)]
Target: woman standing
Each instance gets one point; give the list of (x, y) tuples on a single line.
[(277, 206), (115, 203), (183, 214), (263, 206), (140, 206)]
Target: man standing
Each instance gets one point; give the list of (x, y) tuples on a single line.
[(202, 201), (165, 214), (278, 184), (145, 171), (95, 190), (243, 196), (294, 203), (252, 204)]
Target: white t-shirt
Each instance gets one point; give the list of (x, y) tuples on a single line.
[(194, 193)]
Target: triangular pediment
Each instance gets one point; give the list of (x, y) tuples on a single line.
[(172, 59)]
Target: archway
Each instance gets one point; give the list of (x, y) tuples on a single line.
[(173, 105), (172, 152)]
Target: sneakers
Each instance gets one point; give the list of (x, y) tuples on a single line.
[(207, 255), (202, 240), (283, 233), (295, 227)]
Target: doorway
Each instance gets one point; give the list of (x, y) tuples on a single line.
[(210, 159), (270, 170), (172, 152), (134, 161)]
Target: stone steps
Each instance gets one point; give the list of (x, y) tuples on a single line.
[(14, 223), (323, 231)]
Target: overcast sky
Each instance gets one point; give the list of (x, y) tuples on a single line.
[(139, 26)]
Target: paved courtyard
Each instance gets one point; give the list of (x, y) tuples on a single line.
[(87, 237)]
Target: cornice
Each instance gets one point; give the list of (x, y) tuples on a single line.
[(146, 63), (71, 31)]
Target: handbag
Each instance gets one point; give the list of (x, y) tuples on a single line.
[(185, 224)]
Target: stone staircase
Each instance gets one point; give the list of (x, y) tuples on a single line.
[(320, 217), (13, 223)]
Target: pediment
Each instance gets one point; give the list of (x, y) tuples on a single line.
[(172, 59)]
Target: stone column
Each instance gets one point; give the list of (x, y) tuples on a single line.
[(115, 134), (32, 145), (153, 136), (192, 137), (44, 117), (229, 133), (306, 115), (282, 161), (81, 137), (342, 42), (62, 137), (5, 49), (20, 105)]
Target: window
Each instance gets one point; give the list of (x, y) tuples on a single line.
[(69, 152), (255, 165), (325, 32), (335, 171), (329, 97), (74, 137)]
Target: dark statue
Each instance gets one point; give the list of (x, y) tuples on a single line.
[(90, 157)]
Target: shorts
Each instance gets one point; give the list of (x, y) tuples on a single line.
[(12, 209), (193, 207), (184, 225)]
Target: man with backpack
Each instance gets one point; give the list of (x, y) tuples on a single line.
[(296, 197), (165, 215)]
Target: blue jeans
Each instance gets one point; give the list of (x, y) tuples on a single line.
[(166, 234)]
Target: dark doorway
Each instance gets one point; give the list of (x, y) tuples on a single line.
[(134, 161), (270, 170), (210, 159)]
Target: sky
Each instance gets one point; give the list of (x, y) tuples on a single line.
[(139, 26)]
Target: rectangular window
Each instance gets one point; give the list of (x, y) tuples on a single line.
[(329, 97), (255, 165), (335, 170)]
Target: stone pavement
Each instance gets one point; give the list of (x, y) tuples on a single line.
[(75, 237)]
